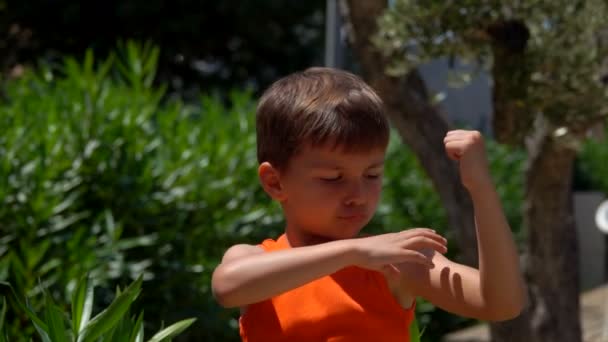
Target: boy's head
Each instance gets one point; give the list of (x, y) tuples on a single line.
[(318, 107), (322, 136)]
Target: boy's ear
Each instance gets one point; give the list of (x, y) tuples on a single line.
[(271, 181)]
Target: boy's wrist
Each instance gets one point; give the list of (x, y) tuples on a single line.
[(480, 186), (348, 251)]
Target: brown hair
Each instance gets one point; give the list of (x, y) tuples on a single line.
[(318, 106)]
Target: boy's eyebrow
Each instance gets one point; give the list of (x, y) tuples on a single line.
[(375, 165), (329, 165)]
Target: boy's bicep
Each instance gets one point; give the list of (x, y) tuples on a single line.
[(451, 286), (239, 251)]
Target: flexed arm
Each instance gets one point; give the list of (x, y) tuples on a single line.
[(496, 290)]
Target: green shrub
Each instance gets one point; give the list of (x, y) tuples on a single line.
[(591, 172), (112, 324), (103, 174)]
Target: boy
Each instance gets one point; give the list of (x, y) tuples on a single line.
[(322, 136)]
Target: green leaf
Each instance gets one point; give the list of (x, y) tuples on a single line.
[(414, 331), (54, 319), (106, 66), (2, 314), (40, 326), (82, 305), (137, 334), (122, 330), (87, 65), (42, 329), (105, 320), (172, 330)]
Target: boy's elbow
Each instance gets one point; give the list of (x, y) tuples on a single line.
[(222, 298), (507, 309), (225, 301), (222, 291), (507, 312), (518, 304)]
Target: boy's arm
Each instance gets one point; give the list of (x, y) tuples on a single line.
[(248, 275), (494, 292)]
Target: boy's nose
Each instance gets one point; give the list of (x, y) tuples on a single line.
[(356, 194)]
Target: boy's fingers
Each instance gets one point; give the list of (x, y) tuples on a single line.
[(455, 146), (427, 242), (415, 231), (415, 257), (455, 132), (427, 234), (454, 156)]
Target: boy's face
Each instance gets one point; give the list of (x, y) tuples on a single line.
[(330, 193)]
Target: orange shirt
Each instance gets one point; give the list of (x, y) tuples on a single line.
[(353, 304)]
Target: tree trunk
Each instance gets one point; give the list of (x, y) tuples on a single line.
[(551, 266), (418, 123), (551, 258)]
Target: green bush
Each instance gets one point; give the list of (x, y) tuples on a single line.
[(112, 324), (591, 168), (104, 174)]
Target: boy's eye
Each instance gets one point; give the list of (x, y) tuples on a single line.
[(373, 176), (331, 179)]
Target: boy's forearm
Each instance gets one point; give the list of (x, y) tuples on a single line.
[(501, 280), (265, 275)]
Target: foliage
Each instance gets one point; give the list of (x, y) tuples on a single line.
[(592, 167), (112, 324), (563, 45), (99, 176)]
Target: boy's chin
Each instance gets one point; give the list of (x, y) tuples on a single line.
[(347, 235), (334, 237)]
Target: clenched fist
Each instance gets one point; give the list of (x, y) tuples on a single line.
[(468, 148)]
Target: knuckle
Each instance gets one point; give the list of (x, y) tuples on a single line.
[(476, 136), (420, 240)]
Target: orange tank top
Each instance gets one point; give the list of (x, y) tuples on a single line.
[(353, 304)]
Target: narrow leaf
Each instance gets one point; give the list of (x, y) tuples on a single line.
[(122, 330), (54, 319), (137, 334), (82, 305), (414, 331), (106, 319), (38, 323), (42, 328), (172, 330), (2, 314), (137, 329)]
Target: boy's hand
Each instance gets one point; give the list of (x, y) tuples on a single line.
[(379, 251), (467, 147)]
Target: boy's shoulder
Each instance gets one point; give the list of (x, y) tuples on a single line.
[(241, 250)]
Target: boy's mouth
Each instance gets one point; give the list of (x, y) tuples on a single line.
[(353, 217)]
